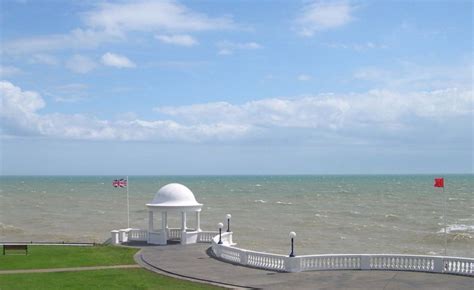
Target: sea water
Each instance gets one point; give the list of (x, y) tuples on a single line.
[(330, 214)]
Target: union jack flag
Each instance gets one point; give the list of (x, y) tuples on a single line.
[(119, 183)]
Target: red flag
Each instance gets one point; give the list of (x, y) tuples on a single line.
[(439, 182)]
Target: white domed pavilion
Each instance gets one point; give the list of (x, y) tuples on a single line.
[(173, 198)]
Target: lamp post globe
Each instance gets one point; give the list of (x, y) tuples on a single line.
[(228, 216), (220, 226), (292, 236)]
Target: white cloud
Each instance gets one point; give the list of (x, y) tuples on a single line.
[(76, 39), (8, 71), (359, 47), (152, 16), (68, 93), (117, 60), (110, 22), (376, 108), (20, 115), (80, 64), (304, 77), (373, 115), (228, 47), (18, 109), (410, 76), (177, 39), (42, 58), (323, 15)]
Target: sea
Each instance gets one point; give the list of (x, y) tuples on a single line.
[(401, 214)]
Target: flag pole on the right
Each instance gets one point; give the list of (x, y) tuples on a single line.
[(439, 182)]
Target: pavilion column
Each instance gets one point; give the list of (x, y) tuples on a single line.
[(183, 228), (150, 221), (198, 221), (183, 221), (163, 228)]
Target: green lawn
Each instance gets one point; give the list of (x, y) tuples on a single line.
[(98, 279), (41, 257)]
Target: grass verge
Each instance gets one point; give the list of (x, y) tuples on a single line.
[(43, 257), (97, 279)]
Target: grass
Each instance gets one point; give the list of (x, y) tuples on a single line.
[(98, 279), (43, 257)]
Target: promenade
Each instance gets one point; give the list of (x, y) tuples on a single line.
[(195, 262)]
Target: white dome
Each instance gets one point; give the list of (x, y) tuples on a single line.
[(174, 195)]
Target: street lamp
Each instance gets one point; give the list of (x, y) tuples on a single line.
[(228, 216), (220, 226), (292, 236)]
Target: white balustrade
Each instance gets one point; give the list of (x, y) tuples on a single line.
[(460, 266), (226, 251), (266, 261), (435, 264), (230, 254), (206, 236), (403, 262), (174, 233), (330, 262), (137, 235)]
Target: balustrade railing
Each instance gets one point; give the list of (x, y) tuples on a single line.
[(206, 236), (174, 233), (226, 251), (137, 235), (330, 262), (266, 261), (403, 262), (460, 266), (419, 263)]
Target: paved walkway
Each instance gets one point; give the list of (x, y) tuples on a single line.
[(74, 269), (195, 262)]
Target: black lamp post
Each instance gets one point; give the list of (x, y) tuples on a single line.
[(228, 216), (220, 226), (292, 237)]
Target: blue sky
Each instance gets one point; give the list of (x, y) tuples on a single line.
[(236, 87)]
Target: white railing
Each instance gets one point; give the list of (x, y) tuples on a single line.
[(419, 263), (206, 236), (137, 235), (255, 259), (330, 262), (461, 266), (174, 233), (266, 261), (405, 263)]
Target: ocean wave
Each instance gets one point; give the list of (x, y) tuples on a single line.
[(5, 229), (258, 185), (462, 237), (392, 217), (284, 203), (455, 199), (458, 228), (320, 215), (260, 201)]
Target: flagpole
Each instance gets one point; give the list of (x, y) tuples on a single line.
[(128, 205), (445, 222)]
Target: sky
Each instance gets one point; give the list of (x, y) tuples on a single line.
[(236, 87)]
